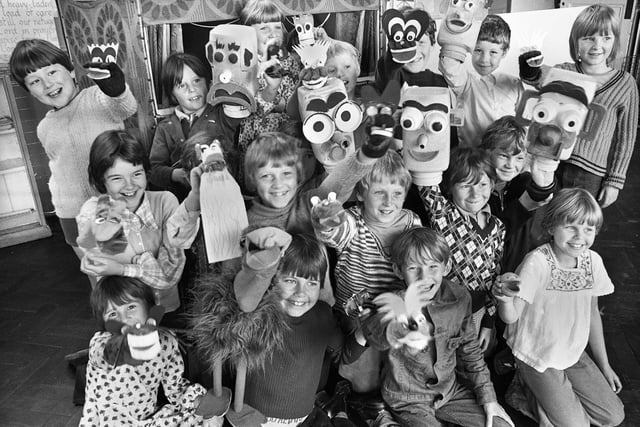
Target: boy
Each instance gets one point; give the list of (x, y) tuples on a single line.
[(76, 118), (484, 97), (362, 237), (420, 386)]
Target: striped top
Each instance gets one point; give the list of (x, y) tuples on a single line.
[(363, 263), (609, 152)]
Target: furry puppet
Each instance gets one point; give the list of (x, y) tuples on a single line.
[(242, 333)]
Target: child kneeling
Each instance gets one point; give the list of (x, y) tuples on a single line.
[(420, 385)]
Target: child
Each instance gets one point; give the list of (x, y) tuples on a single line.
[(186, 80), (599, 164), (488, 95), (76, 118), (118, 165), (343, 62), (362, 238), (554, 314), (266, 17), (126, 395), (475, 236), (420, 386)]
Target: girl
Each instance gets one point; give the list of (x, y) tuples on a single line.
[(186, 80), (118, 166), (555, 314), (125, 394)]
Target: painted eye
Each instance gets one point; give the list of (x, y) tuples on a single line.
[(307, 27), (469, 5), (233, 58), (411, 36), (218, 56), (411, 119), (544, 112), (299, 29), (571, 122), (455, 2), (398, 36), (318, 128), (348, 116)]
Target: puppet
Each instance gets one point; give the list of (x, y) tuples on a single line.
[(303, 25), (232, 51), (403, 33), (100, 55), (425, 132), (460, 27)]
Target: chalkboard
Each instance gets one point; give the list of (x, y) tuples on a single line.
[(26, 19)]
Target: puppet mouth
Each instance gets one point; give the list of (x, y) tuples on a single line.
[(404, 56), (422, 156), (458, 25)]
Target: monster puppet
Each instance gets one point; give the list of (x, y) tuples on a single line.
[(425, 132), (100, 55), (556, 113), (460, 27), (232, 52), (403, 33)]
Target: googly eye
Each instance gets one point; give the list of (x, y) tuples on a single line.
[(318, 128), (436, 122), (411, 118), (544, 112), (455, 2), (571, 122), (348, 116)]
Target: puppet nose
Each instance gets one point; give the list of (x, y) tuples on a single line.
[(549, 135)]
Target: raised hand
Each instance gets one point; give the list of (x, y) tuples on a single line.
[(108, 76), (328, 213), (529, 63)]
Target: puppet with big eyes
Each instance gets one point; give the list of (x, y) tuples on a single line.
[(425, 132), (232, 52), (460, 27), (556, 113), (403, 33), (303, 25)]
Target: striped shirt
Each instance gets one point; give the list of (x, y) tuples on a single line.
[(363, 263)]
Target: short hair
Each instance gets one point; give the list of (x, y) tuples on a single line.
[(109, 146), (173, 67), (417, 244), (259, 11), (597, 18), (119, 290), (571, 205), (431, 24), (505, 134), (467, 164), (270, 147), (305, 257), (32, 54), (339, 47), (494, 29), (390, 166)]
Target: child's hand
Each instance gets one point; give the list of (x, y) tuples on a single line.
[(273, 82), (484, 338), (213, 421), (268, 237), (113, 84), (529, 63), (327, 214), (180, 175), (612, 378), (543, 170), (95, 264), (494, 409), (506, 287), (380, 124)]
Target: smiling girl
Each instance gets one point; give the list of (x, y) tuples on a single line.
[(118, 166)]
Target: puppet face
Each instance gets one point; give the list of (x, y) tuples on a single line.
[(313, 58), (232, 53), (103, 52), (211, 155), (107, 227), (304, 27), (425, 128), (461, 13), (556, 120), (335, 150), (325, 110), (404, 33)]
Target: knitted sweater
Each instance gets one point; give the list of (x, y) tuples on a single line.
[(67, 134), (609, 152)]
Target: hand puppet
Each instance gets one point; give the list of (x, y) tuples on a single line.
[(403, 33), (460, 27)]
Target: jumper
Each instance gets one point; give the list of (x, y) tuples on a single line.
[(160, 264), (609, 152), (287, 385), (553, 329), (407, 381), (127, 395), (168, 146), (475, 253), (482, 99), (67, 135), (362, 261)]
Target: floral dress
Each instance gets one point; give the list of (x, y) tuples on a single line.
[(127, 395)]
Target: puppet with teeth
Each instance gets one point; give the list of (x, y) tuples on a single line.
[(460, 27), (303, 25), (557, 112), (403, 33), (101, 54), (232, 52), (425, 132)]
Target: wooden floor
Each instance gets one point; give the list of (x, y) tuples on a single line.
[(44, 314)]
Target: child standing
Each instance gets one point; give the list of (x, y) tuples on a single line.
[(600, 164), (76, 118), (362, 237), (487, 95), (475, 236), (124, 394), (118, 165), (186, 80), (420, 385), (554, 315)]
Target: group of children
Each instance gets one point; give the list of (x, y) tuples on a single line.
[(345, 241)]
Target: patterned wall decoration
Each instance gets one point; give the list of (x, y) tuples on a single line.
[(180, 11)]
